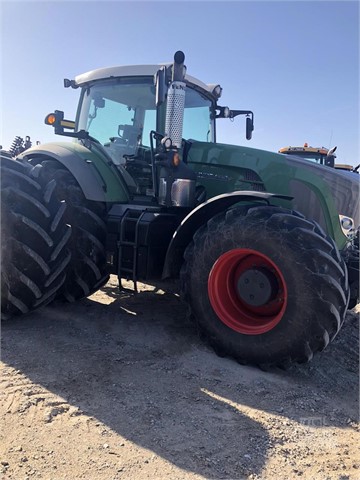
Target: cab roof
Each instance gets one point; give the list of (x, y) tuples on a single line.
[(136, 71), (321, 150)]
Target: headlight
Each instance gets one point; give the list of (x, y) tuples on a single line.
[(347, 225)]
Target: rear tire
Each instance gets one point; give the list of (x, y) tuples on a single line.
[(296, 307), (87, 271), (34, 240)]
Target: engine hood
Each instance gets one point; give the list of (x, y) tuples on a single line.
[(345, 186)]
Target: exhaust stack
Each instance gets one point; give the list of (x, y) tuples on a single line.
[(176, 101)]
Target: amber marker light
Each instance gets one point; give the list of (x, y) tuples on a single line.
[(176, 160), (50, 119)]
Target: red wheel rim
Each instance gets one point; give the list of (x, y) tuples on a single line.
[(226, 296)]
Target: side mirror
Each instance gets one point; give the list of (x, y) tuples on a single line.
[(249, 127), (330, 160), (225, 112)]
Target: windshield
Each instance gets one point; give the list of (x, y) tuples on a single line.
[(120, 113), (316, 158), (197, 115)]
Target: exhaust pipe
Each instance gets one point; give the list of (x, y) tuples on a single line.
[(177, 181), (176, 101)]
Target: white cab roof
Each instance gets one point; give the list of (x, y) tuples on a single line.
[(134, 71)]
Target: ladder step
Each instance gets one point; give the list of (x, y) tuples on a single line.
[(126, 243)]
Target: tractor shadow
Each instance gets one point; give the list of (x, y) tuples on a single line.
[(135, 363)]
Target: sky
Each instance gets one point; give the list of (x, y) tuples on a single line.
[(295, 64)]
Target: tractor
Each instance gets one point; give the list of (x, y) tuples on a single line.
[(320, 155), (263, 246)]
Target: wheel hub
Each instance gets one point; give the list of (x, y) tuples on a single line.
[(247, 291), (256, 286)]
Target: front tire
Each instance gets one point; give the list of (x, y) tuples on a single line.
[(266, 286)]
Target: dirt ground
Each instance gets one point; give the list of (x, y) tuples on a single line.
[(119, 386)]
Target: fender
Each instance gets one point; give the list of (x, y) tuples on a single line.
[(97, 176), (200, 215)]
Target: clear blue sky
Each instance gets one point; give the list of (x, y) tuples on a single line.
[(294, 63)]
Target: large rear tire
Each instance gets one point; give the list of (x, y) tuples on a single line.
[(34, 240), (266, 286), (87, 271)]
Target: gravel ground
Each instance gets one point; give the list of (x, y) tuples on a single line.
[(119, 386)]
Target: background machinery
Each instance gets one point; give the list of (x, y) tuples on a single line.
[(18, 146), (320, 155), (265, 246)]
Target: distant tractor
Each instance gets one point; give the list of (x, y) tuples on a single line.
[(265, 246), (320, 155)]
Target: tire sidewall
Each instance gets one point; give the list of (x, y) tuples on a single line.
[(303, 294)]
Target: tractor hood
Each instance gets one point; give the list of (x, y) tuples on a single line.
[(345, 186), (319, 192)]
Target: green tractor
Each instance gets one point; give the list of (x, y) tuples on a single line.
[(265, 245)]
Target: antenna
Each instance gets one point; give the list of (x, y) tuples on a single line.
[(331, 135)]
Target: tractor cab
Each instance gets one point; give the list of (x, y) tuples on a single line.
[(144, 118), (319, 155), (121, 113)]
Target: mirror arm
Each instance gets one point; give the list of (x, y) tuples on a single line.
[(235, 113)]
